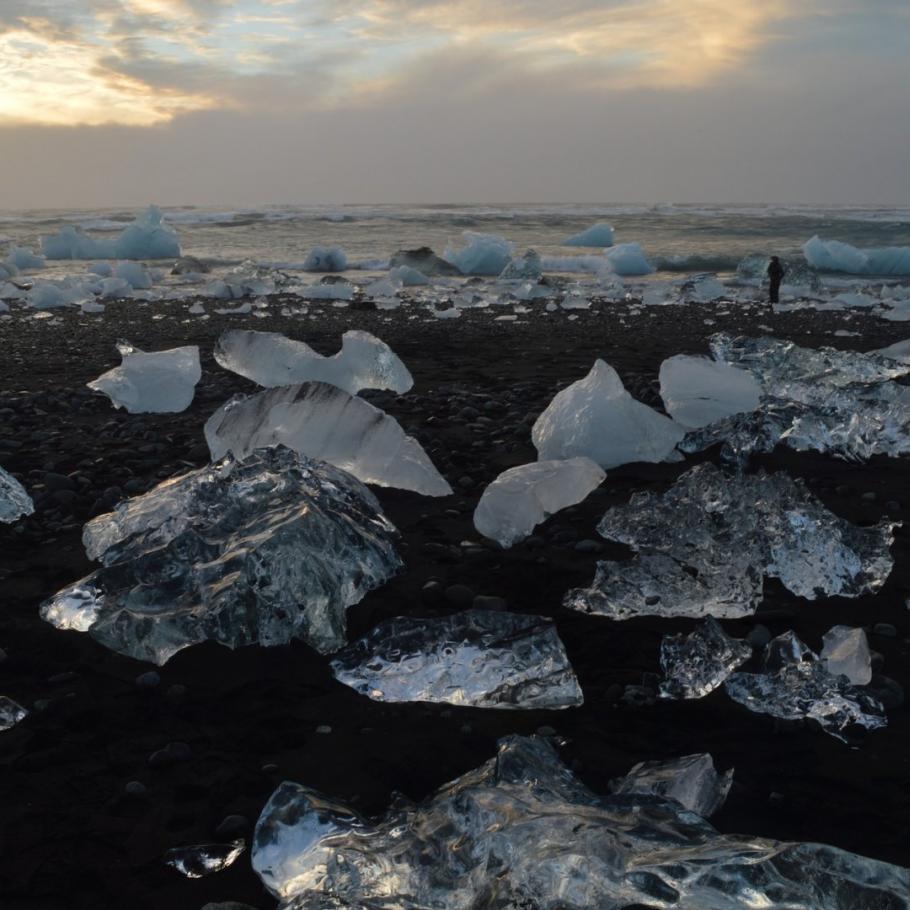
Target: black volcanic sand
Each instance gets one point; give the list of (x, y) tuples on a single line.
[(72, 838)]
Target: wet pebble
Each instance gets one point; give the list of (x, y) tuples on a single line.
[(148, 680), (171, 754), (885, 630), (459, 596), (489, 602), (588, 546), (232, 827), (136, 789), (759, 636)]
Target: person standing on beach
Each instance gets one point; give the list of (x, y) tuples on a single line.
[(775, 274)]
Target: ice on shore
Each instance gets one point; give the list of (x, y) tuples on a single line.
[(321, 421), (14, 501), (836, 256), (521, 498), (845, 651), (50, 295), (600, 234), (263, 550), (482, 254), (151, 382), (628, 260), (479, 658), (525, 268), (10, 713), (697, 391), (696, 664), (24, 258), (524, 825), (597, 418), (148, 237), (326, 259), (271, 359), (200, 860), (424, 261), (408, 276)]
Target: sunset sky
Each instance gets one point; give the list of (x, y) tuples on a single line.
[(120, 102)]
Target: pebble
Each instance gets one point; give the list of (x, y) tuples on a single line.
[(67, 676), (588, 546), (489, 602), (232, 827), (885, 630), (759, 636), (175, 692), (432, 590), (269, 768), (2, 655), (171, 754), (546, 731), (892, 506), (868, 496), (639, 696), (460, 596), (888, 691), (227, 905), (323, 728), (136, 788), (148, 680)]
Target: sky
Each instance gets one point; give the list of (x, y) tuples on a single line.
[(248, 102)]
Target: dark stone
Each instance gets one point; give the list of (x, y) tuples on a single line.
[(459, 596)]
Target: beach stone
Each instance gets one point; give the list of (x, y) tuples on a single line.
[(639, 696), (58, 482), (323, 728), (176, 692), (148, 680), (269, 768), (759, 636), (227, 905), (546, 731), (489, 602), (885, 630), (460, 596), (868, 496), (588, 546), (172, 754), (432, 591), (232, 827), (136, 788), (892, 506)]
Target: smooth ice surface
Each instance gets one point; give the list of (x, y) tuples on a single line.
[(836, 256), (600, 234), (845, 650), (200, 860), (597, 418), (10, 713), (408, 276), (151, 382), (703, 547), (691, 780), (14, 501), (148, 237), (522, 497), (696, 664), (482, 254), (521, 831), (326, 259), (24, 258), (322, 421), (271, 359), (260, 550), (697, 391), (478, 658)]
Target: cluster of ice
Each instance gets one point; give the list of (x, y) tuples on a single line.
[(600, 234), (247, 280), (260, 550), (522, 831), (482, 254), (326, 259), (10, 713), (703, 547), (339, 290), (200, 860), (697, 391), (597, 418), (836, 256), (521, 498), (478, 658), (696, 664), (148, 237), (322, 421), (151, 382), (271, 359), (14, 501)]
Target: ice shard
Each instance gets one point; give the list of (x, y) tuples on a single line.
[(691, 780), (479, 658), (696, 664), (153, 382), (703, 547), (14, 501), (522, 831), (597, 418), (697, 391), (322, 421), (262, 549), (845, 651), (521, 498), (271, 359), (200, 860), (10, 713)]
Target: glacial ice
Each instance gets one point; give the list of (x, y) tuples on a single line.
[(204, 859), (522, 831), (835, 256), (14, 501), (24, 258), (479, 658), (49, 295), (707, 288), (151, 382), (697, 391), (408, 276), (696, 664), (271, 359), (703, 547), (521, 498), (600, 234), (260, 550), (482, 254), (325, 259), (525, 268), (148, 237), (134, 274), (691, 780), (10, 713), (322, 421), (596, 417), (628, 260), (845, 650), (425, 261)]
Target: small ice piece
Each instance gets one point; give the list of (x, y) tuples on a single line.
[(102, 269), (423, 260), (11, 713), (271, 360), (628, 259), (478, 658), (190, 265), (152, 382), (845, 651), (260, 550), (203, 859), (527, 268), (322, 421), (408, 276), (134, 274), (600, 234), (696, 664), (14, 501), (521, 498), (691, 780), (697, 391), (483, 254), (24, 258), (47, 295), (708, 288), (596, 417), (325, 259)]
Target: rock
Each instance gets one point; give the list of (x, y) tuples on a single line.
[(546, 731), (489, 602), (588, 546), (868, 496), (136, 789), (148, 680), (759, 636), (232, 827), (888, 691), (459, 596), (172, 754), (432, 591), (56, 482), (885, 630), (323, 728)]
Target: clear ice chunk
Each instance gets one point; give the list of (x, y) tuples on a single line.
[(696, 664), (704, 546), (325, 259), (597, 418), (482, 254), (322, 421), (845, 651), (200, 860), (528, 267), (10, 713), (697, 391), (600, 234), (479, 658), (148, 237), (522, 831), (14, 501), (521, 498), (691, 780), (151, 382), (260, 550), (271, 359)]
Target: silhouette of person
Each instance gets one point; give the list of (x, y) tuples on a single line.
[(775, 274)]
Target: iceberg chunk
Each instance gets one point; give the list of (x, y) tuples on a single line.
[(134, 274), (152, 382), (478, 658), (148, 237), (600, 234), (483, 254), (696, 664), (271, 359), (322, 421), (326, 259), (24, 258), (408, 276), (204, 859), (10, 713), (244, 551), (845, 651), (835, 256), (14, 501), (597, 418), (628, 259), (521, 498), (528, 267), (697, 391), (71, 243)]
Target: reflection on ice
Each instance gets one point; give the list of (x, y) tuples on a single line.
[(697, 664)]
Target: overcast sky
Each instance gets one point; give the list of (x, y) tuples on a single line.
[(246, 102)]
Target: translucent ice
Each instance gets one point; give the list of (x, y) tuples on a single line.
[(596, 417), (845, 650), (10, 713), (690, 780), (408, 276), (697, 391), (14, 501), (260, 550), (203, 859), (707, 288), (479, 658), (600, 234), (525, 268), (483, 254), (322, 421), (24, 258), (153, 382), (628, 259), (134, 274), (148, 237), (835, 256), (521, 498), (271, 360), (696, 664), (49, 295), (326, 259), (900, 350), (522, 831)]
